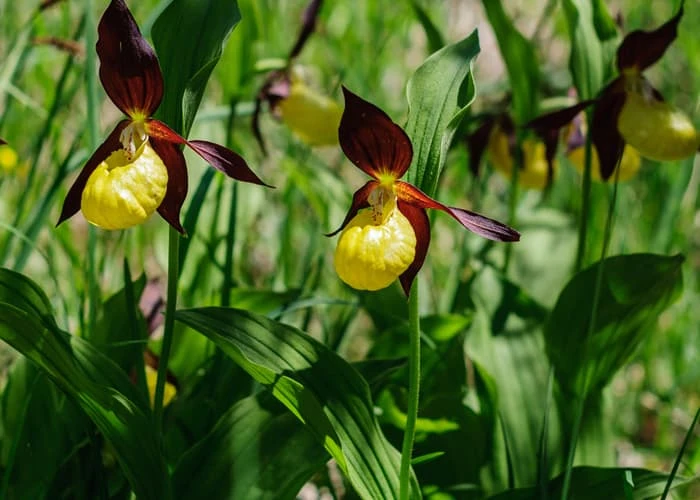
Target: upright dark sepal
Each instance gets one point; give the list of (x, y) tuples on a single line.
[(374, 143), (640, 49), (129, 69)]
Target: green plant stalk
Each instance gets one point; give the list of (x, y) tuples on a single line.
[(581, 402), (514, 193), (170, 306), (681, 452), (585, 201), (413, 391), (228, 281)]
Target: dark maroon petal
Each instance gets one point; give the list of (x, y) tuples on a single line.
[(476, 223), (359, 201), (421, 226), (604, 134), (557, 119), (226, 161), (640, 49), (176, 192), (308, 25), (371, 140), (477, 142), (219, 157), (129, 69), (71, 205), (255, 125), (2, 141)]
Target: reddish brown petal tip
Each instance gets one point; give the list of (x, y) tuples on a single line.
[(421, 227), (129, 69), (175, 195), (226, 161), (604, 133), (359, 201), (371, 140), (640, 49)]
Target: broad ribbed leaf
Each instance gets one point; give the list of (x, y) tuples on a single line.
[(635, 289), (257, 450), (100, 388), (590, 61), (189, 36), (316, 385), (521, 62), (595, 483), (438, 93)]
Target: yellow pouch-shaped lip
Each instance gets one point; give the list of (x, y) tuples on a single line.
[(534, 174), (313, 117), (124, 192), (656, 129), (371, 256)]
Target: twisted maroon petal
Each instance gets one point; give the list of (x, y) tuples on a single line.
[(176, 192), (371, 140), (71, 205), (359, 201), (421, 226), (604, 133), (129, 69), (483, 226)]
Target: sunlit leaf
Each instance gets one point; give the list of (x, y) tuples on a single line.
[(635, 289), (438, 93), (100, 388), (315, 384), (189, 36)]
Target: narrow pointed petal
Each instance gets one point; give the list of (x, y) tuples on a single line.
[(557, 119), (421, 226), (371, 140), (604, 132), (640, 49), (359, 201), (483, 226), (226, 161), (255, 125), (219, 157), (129, 69), (175, 195), (71, 205), (308, 25), (477, 142)]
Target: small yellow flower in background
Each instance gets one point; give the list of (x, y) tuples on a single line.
[(314, 118), (8, 159), (535, 171), (168, 393)]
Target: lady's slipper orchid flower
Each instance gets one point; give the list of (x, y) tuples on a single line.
[(140, 167), (386, 232), (310, 115), (496, 136), (630, 110)]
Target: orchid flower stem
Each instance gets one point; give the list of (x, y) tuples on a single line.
[(513, 198), (170, 306), (228, 281), (581, 400), (413, 391), (585, 204)]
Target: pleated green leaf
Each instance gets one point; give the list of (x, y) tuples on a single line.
[(438, 93), (635, 289), (521, 61), (590, 61), (595, 483), (189, 36), (257, 450), (100, 387), (316, 385)]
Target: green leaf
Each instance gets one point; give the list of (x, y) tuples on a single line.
[(432, 33), (316, 385), (257, 450), (604, 23), (635, 289), (520, 59), (594, 483), (189, 36), (590, 61), (99, 386), (438, 93)]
